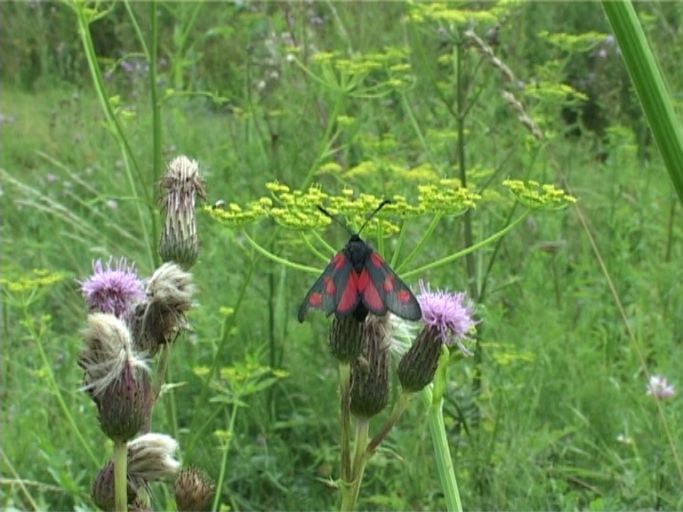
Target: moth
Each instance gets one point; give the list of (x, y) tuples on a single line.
[(357, 281)]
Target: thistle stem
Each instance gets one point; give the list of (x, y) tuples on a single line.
[(345, 403), (399, 408), (359, 461), (442, 452), (120, 476)]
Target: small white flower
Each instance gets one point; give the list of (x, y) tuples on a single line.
[(660, 388)]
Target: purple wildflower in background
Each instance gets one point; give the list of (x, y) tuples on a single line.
[(449, 313), (660, 388), (114, 288)]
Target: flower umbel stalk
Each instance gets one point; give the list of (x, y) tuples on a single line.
[(121, 476)]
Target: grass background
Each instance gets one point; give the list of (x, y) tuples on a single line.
[(560, 418)]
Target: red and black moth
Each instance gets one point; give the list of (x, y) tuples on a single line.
[(357, 281)]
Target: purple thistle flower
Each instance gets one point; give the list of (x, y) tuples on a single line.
[(113, 289), (660, 388), (449, 313)]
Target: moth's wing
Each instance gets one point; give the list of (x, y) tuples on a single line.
[(347, 297), (369, 291), (324, 294), (394, 293)]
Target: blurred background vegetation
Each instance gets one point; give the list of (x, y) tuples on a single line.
[(551, 414)]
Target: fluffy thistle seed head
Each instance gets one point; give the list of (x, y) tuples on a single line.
[(161, 317), (346, 339), (370, 372), (113, 288), (116, 378), (182, 185), (194, 490), (151, 457)]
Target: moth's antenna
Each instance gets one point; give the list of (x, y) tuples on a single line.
[(376, 210), (335, 219)]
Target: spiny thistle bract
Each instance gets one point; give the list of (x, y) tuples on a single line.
[(117, 379), (182, 184), (370, 373), (194, 490), (346, 338)]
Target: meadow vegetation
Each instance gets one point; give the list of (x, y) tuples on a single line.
[(461, 113)]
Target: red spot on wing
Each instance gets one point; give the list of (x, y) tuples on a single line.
[(339, 260), (362, 280), (330, 287), (388, 283), (349, 297), (371, 296), (377, 260), (404, 296), (316, 299)]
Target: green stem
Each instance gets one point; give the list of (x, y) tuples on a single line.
[(413, 121), (326, 142), (224, 458), (314, 249), (649, 84), (156, 117), (345, 403), (265, 252), (425, 237), (120, 476), (399, 409), (136, 27), (52, 383), (359, 462), (399, 244), (452, 257), (130, 165), (442, 452)]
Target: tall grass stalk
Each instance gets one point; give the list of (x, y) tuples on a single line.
[(131, 166), (650, 86), (156, 112)]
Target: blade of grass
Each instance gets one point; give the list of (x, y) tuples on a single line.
[(650, 86)]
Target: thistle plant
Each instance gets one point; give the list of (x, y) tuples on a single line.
[(131, 320), (363, 347)]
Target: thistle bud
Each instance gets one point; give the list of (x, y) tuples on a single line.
[(370, 371), (346, 340), (103, 488), (116, 377), (418, 365), (194, 490), (161, 317), (182, 184)]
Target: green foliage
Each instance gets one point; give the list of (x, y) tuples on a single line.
[(287, 106)]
